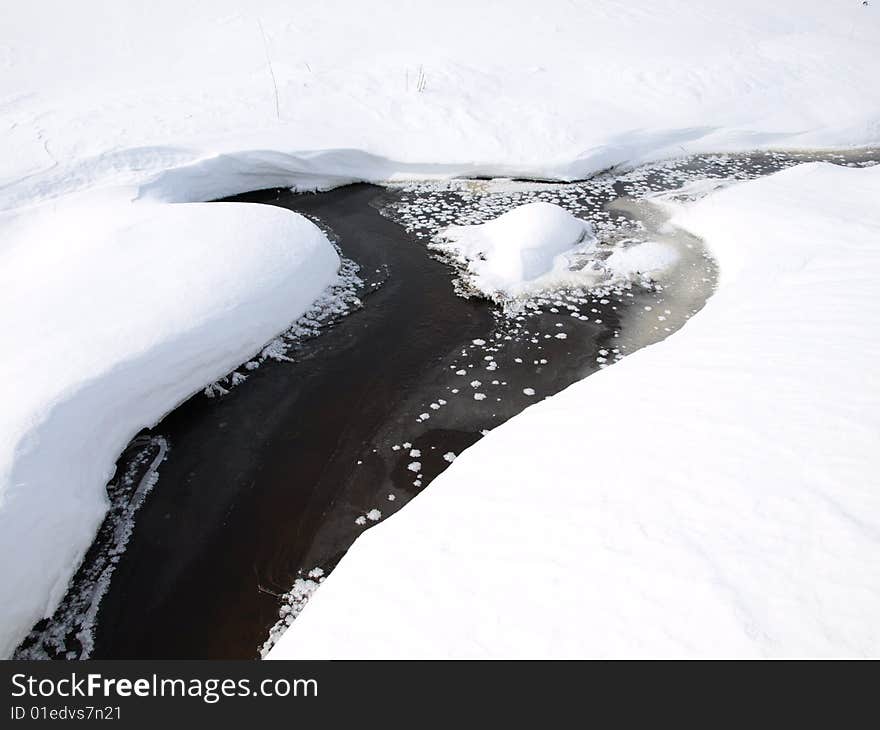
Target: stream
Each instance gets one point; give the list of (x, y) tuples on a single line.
[(240, 496)]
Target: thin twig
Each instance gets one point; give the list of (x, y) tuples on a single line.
[(271, 70)]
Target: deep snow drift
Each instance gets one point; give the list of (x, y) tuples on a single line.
[(715, 494), (107, 328)]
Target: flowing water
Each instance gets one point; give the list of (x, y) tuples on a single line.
[(232, 500)]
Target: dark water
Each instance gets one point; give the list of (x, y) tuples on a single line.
[(263, 482), (270, 481)]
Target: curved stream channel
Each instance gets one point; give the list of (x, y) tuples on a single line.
[(237, 496)]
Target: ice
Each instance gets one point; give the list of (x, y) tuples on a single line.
[(646, 258), (292, 604)]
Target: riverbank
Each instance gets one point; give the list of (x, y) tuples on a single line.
[(278, 477), (713, 495)]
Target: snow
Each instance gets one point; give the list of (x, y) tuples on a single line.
[(180, 99), (541, 246), (113, 112), (650, 258), (518, 250), (111, 320), (732, 509), (292, 604)]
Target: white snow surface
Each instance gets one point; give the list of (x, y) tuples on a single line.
[(519, 250), (649, 258), (540, 247), (714, 494), (112, 111), (179, 98), (109, 322)]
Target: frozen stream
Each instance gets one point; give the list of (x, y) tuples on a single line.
[(275, 479)]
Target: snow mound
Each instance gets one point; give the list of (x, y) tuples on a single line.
[(733, 509), (518, 250), (113, 316), (541, 246)]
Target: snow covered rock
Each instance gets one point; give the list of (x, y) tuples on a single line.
[(732, 508), (519, 250), (541, 246)]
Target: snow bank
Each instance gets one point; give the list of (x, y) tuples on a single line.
[(111, 317), (649, 258), (714, 494), (181, 99)]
